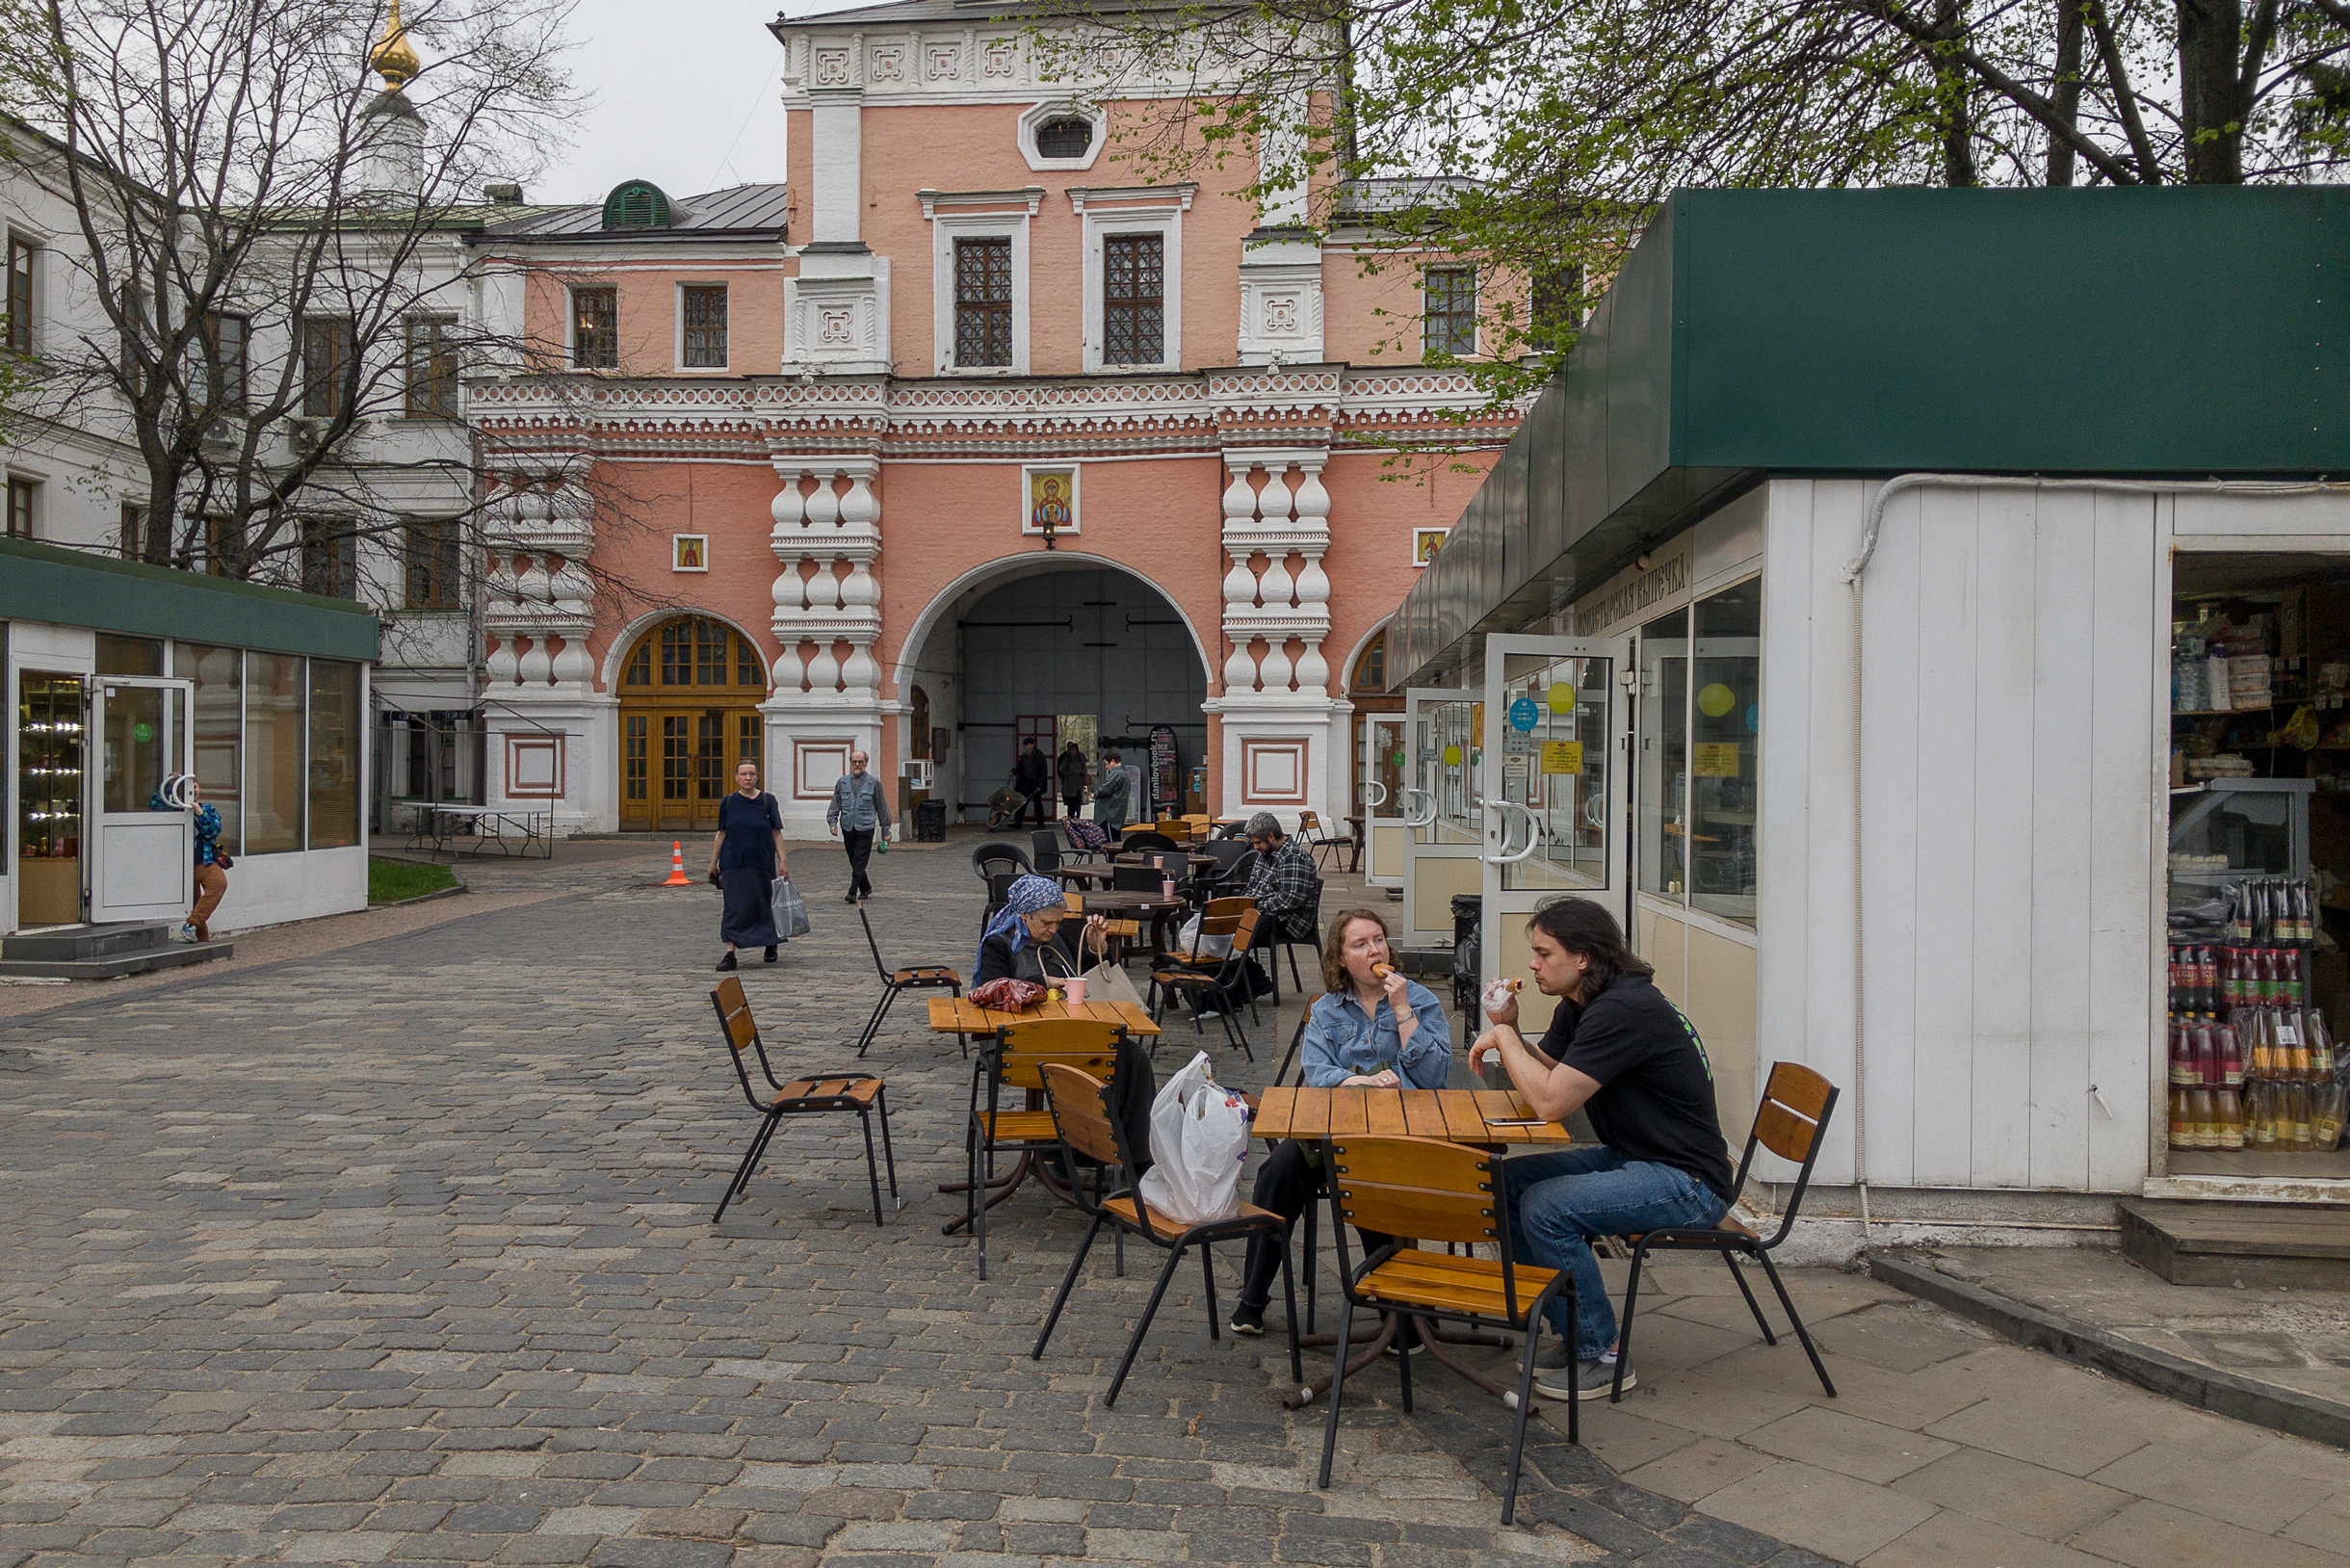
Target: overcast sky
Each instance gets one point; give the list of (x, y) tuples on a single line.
[(682, 93)]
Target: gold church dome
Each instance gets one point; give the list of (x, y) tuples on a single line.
[(392, 57)]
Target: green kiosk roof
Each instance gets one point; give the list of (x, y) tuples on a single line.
[(75, 588), (2178, 331)]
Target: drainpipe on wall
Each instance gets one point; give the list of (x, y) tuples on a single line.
[(1854, 570)]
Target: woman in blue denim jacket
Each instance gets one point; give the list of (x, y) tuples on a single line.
[(1370, 1028)]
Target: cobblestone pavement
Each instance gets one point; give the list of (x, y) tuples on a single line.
[(402, 1252)]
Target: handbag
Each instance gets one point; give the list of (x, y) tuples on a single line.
[(791, 912)]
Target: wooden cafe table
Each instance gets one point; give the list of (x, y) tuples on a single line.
[(960, 1016), (1479, 1118)]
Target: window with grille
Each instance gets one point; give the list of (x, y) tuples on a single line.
[(326, 365), (1066, 137), (746, 664), (641, 666), (746, 742), (983, 301), (677, 654), (705, 344), (712, 777), (19, 295), (431, 368), (1134, 299), (676, 756), (1448, 311), (433, 561), (595, 328), (711, 647)]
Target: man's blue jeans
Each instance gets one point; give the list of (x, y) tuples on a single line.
[(1557, 1202)]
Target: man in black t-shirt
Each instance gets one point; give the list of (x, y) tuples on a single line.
[(1620, 1051)]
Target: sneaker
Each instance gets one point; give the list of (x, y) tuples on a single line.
[(1248, 1320), (187, 931), (1591, 1379)]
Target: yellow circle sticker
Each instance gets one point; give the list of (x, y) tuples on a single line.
[(1453, 756), (1715, 700), (1561, 696)]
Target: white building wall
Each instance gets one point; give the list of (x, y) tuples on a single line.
[(2014, 709)]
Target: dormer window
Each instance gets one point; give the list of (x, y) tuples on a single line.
[(1066, 136), (636, 204)]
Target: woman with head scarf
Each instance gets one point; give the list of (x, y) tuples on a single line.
[(1030, 938)]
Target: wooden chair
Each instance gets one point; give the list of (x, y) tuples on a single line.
[(1432, 1190), (1119, 929), (1015, 1059), (1796, 1104), (1088, 1131), (1174, 827), (860, 1092), (1208, 976), (919, 978)]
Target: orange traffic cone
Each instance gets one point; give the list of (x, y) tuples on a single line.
[(677, 866)]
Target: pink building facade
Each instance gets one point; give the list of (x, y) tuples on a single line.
[(967, 425)]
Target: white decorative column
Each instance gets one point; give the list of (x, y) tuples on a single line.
[(1283, 735), (828, 686), (550, 735)]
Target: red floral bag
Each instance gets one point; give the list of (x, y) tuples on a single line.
[(1007, 995)]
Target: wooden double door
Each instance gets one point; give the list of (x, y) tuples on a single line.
[(688, 718)]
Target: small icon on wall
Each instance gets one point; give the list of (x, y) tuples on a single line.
[(690, 552)]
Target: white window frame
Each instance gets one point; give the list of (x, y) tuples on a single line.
[(1062, 109), (1163, 217), (677, 307), (36, 502), (947, 228)]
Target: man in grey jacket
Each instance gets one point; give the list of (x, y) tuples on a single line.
[(1114, 795), (856, 813)]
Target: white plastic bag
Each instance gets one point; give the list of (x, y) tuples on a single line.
[(1199, 1140), (1189, 940)]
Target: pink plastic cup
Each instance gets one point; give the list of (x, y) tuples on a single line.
[(1074, 988)]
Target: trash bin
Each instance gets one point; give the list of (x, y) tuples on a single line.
[(930, 822), (1468, 946)]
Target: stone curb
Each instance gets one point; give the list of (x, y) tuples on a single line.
[(422, 898), (2174, 1377)]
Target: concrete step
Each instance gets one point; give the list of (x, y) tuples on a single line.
[(65, 943), (2301, 1246)]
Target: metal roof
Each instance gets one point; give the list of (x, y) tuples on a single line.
[(62, 586), (738, 211), (2167, 332)]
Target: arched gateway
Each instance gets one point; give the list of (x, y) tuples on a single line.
[(689, 691)]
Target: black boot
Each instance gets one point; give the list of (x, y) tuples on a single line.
[(726, 963), (770, 956)]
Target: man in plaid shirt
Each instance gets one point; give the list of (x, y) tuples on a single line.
[(1284, 880)]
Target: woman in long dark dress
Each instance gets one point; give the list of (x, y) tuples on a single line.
[(746, 857)]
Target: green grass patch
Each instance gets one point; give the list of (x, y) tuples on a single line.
[(389, 882)]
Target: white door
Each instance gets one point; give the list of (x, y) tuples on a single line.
[(142, 861), (1383, 772), (1553, 820), (1443, 807)]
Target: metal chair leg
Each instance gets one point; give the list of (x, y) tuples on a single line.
[(1313, 1217), (1631, 1297), (1525, 1403), (889, 1155), (1730, 1260), (1404, 1360), (1143, 1327), (873, 1172), (1801, 1333), (741, 1173), (1206, 1270), (1338, 1391), (872, 1025), (1060, 1297), (1289, 1301)]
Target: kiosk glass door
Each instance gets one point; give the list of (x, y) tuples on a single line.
[(1443, 806), (143, 864)]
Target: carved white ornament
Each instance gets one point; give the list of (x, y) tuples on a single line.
[(832, 67)]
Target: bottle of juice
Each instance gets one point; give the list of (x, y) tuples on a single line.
[(2260, 1117), (2203, 1106), (2295, 1046), (2207, 981), (2326, 1119), (2259, 1054), (2239, 916), (2231, 1108), (2297, 1104), (2231, 1055), (2182, 1123), (2324, 1059)]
